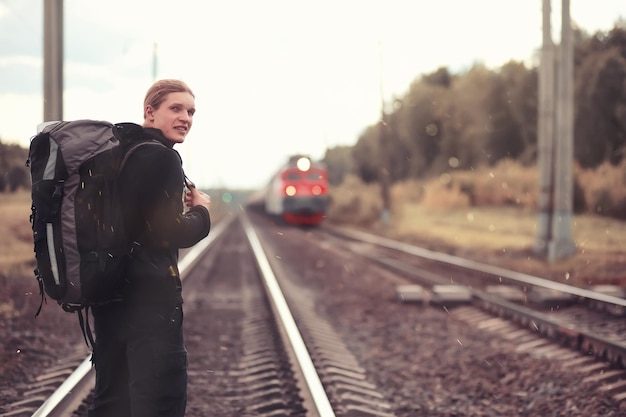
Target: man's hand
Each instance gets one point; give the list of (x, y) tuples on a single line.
[(194, 198)]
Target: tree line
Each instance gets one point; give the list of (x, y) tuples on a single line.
[(449, 121)]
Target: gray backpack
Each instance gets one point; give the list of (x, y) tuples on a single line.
[(79, 236)]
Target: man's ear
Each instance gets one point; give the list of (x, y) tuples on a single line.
[(150, 113)]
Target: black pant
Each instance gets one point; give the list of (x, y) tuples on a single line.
[(141, 362)]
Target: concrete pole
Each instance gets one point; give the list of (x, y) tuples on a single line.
[(53, 60), (562, 246), (154, 62), (384, 174), (545, 139)]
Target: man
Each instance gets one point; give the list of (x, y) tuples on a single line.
[(140, 355)]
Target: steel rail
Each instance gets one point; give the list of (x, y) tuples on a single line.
[(59, 403), (476, 266), (304, 362)]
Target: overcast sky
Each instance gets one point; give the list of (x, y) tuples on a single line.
[(271, 77)]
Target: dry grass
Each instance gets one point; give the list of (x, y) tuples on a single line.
[(506, 237), (489, 228), (16, 245), (505, 227), (489, 215), (17, 259)]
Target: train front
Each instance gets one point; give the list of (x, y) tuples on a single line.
[(305, 191)]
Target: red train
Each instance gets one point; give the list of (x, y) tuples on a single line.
[(298, 192)]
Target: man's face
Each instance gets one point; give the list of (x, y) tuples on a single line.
[(174, 116)]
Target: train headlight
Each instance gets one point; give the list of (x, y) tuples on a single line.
[(290, 190), (316, 190), (303, 164)]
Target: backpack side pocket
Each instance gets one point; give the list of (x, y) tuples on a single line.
[(47, 237)]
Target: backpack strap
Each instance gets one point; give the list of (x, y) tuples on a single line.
[(82, 311), (42, 292), (134, 147), (84, 325)]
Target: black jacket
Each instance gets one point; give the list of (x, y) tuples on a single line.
[(151, 188)]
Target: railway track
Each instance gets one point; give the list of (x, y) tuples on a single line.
[(589, 321), (339, 353), (69, 393), (274, 369)]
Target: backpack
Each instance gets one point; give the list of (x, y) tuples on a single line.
[(80, 243)]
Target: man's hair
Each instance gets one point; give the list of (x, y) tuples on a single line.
[(159, 90)]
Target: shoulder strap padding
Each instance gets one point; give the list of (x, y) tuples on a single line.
[(134, 146)]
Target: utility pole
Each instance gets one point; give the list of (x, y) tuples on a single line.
[(545, 133), (384, 175), (154, 62), (561, 245), (555, 139), (53, 60)]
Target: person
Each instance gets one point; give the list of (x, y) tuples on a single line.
[(139, 354)]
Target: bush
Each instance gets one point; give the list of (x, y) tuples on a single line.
[(604, 189), (354, 202), (444, 192), (509, 183), (600, 191)]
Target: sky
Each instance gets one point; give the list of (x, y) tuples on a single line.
[(272, 78)]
